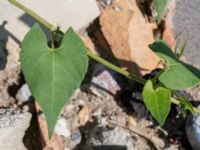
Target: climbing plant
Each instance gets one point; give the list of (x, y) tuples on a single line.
[(54, 72)]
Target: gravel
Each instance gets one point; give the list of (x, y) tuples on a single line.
[(104, 139)]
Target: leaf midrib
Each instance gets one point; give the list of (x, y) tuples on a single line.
[(53, 86)]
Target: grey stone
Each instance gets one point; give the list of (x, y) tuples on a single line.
[(105, 82), (13, 124), (76, 137), (193, 131), (114, 139), (105, 3), (23, 94)]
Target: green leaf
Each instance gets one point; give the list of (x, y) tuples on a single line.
[(53, 74), (177, 75), (160, 6), (186, 104), (157, 101)]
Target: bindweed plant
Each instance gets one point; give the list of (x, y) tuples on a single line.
[(53, 73)]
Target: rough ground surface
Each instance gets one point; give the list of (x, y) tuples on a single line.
[(105, 112), (9, 73), (105, 109), (13, 124)]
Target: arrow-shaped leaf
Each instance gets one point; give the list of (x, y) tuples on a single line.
[(53, 74), (177, 75), (157, 101)]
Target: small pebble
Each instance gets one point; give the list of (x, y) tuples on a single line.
[(76, 137), (23, 94), (61, 128), (117, 8), (81, 102), (98, 112)]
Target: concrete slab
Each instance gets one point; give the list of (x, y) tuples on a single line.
[(186, 23), (14, 23)]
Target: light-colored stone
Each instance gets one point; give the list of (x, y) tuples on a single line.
[(84, 115), (66, 13), (76, 137), (61, 128), (23, 94), (13, 125), (115, 138), (129, 34)]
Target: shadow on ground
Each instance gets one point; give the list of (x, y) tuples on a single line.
[(4, 35)]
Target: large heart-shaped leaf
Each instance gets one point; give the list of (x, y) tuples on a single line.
[(53, 74), (157, 101), (177, 75), (160, 6)]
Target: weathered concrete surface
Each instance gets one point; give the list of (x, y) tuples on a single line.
[(13, 125), (186, 23), (15, 23)]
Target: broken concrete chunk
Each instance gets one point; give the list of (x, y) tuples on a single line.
[(129, 34), (66, 13), (13, 124), (105, 83)]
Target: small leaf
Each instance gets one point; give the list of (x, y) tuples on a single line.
[(53, 74), (160, 6), (186, 104), (157, 101), (177, 75)]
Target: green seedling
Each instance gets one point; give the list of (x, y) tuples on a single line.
[(53, 73)]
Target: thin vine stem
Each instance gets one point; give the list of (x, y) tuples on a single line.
[(52, 40), (97, 58), (116, 68)]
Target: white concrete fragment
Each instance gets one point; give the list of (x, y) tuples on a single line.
[(75, 13), (13, 125), (61, 128), (23, 94)]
